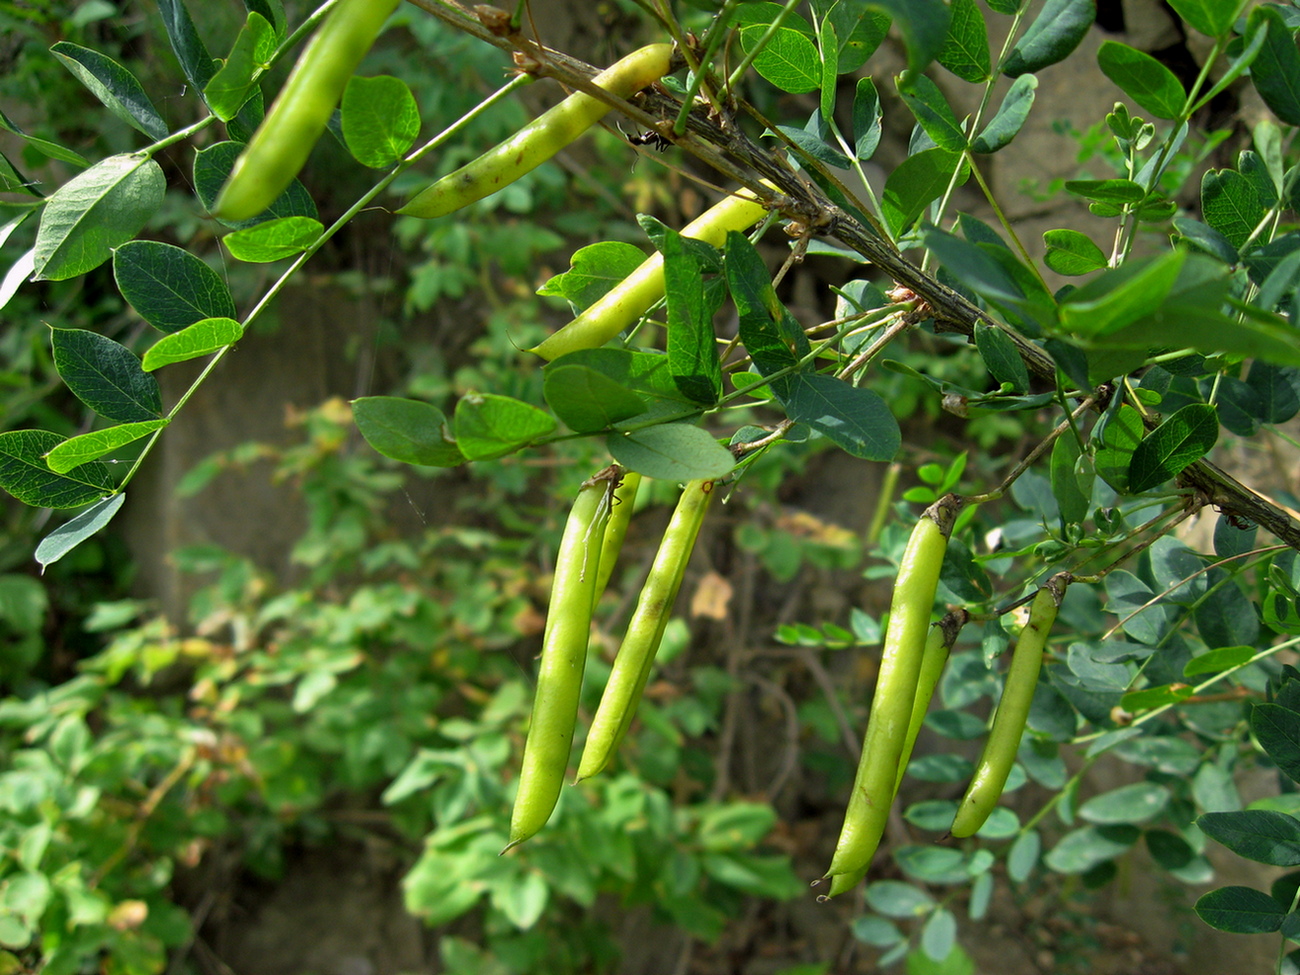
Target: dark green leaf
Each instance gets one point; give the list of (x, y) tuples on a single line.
[(586, 400), (769, 332), (593, 271), (866, 119), (1134, 803), (95, 211), (1073, 502), (932, 112), (1241, 910), (963, 576), (113, 85), (1086, 848), (854, 417), (915, 183), (1117, 191), (645, 373), (44, 146), (1010, 117), (1120, 435), (816, 147), (671, 452), (105, 376), (965, 52), (1230, 205), (829, 47), (488, 425), (860, 31), (1008, 7), (1278, 390), (1256, 834), (169, 287), (1071, 252), (25, 475), (1001, 358), (73, 532), (193, 56), (1181, 439), (789, 59), (234, 81), (993, 272), (211, 169), (273, 240), (380, 120), (1207, 239), (1141, 615), (406, 430), (1275, 72), (79, 450), (1144, 79), (1057, 30), (1278, 730), (692, 345)]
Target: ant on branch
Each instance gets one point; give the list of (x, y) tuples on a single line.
[(650, 137)]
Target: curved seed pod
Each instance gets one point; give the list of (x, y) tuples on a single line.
[(624, 304), (540, 139), (999, 752), (619, 518), (564, 656), (937, 645), (284, 140), (892, 702), (645, 630)]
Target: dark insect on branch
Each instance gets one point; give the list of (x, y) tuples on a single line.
[(650, 137)]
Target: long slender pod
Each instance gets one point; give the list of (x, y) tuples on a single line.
[(620, 517), (540, 139), (937, 646), (892, 702), (999, 752), (564, 657), (624, 304), (645, 630), (297, 119)]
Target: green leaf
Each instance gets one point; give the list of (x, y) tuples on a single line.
[(1134, 803), (586, 400), (1023, 856), (1277, 728), (932, 112), (965, 51), (44, 146), (861, 31), (1183, 438), (169, 287), (273, 240), (866, 119), (91, 446), (113, 85), (916, 182), (645, 373), (1057, 30), (1275, 72), (774, 340), (1073, 503), (964, 577), (1230, 204), (489, 425), (522, 899), (671, 452), (1183, 324), (193, 56), (1225, 658), (1141, 615), (1205, 238), (1010, 116), (1278, 389), (25, 475), (993, 272), (692, 345), (105, 376), (1117, 191), (893, 898), (1212, 18), (924, 26), (876, 931), (1121, 296), (211, 169), (1001, 358), (789, 60), (202, 338), (593, 271), (95, 211), (406, 430), (234, 82), (939, 935), (854, 417), (828, 47), (73, 532), (1241, 910), (380, 120), (1144, 79), (1120, 436), (814, 145), (13, 181), (1083, 849), (1071, 252)]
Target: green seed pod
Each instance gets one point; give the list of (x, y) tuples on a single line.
[(284, 140), (999, 752), (937, 645), (564, 657), (619, 519), (540, 139), (892, 702), (645, 630), (624, 304)]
